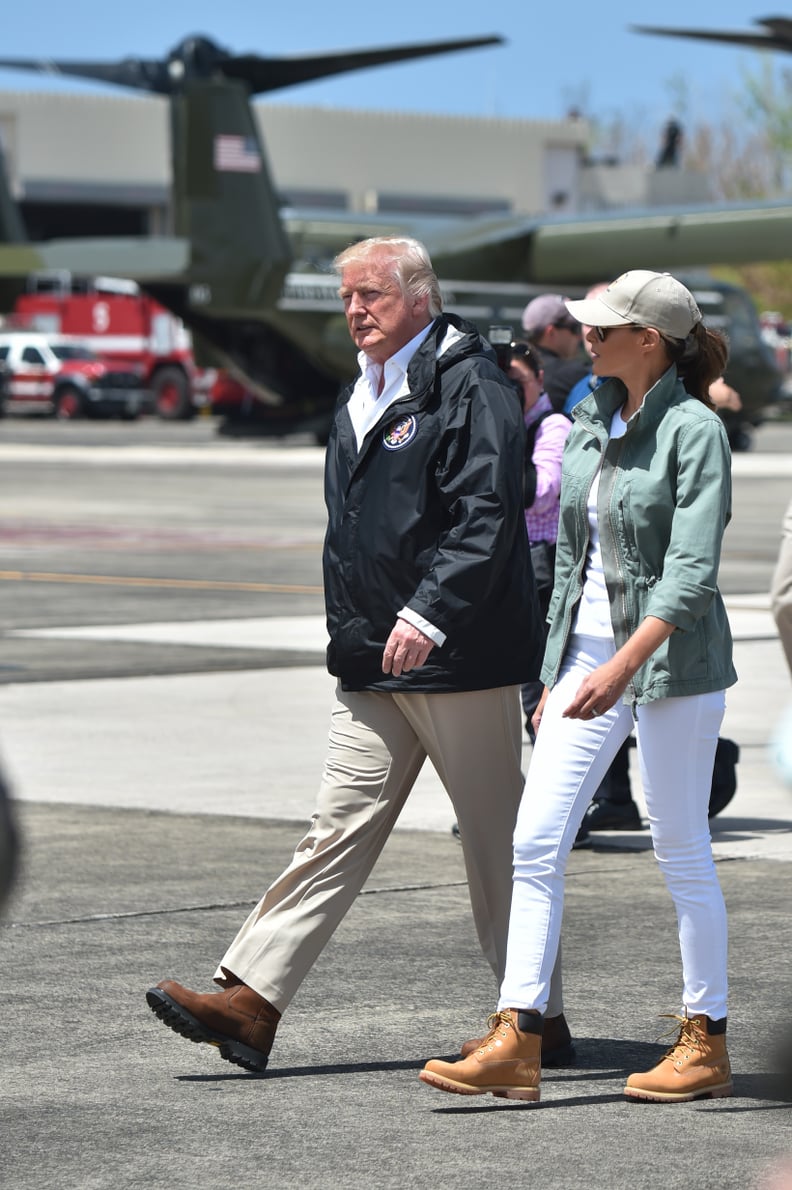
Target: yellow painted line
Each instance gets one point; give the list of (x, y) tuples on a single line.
[(182, 584)]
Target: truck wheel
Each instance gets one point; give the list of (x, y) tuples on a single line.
[(172, 395), (68, 403)]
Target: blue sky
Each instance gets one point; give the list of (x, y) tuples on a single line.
[(557, 55)]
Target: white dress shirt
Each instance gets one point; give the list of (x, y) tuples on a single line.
[(377, 387), (369, 401)]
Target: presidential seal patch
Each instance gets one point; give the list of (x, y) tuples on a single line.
[(400, 432)]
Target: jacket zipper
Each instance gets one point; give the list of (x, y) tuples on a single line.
[(581, 568)]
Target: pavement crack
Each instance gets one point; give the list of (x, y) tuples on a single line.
[(93, 918)]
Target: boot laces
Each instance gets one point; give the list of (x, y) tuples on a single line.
[(687, 1042), (497, 1023)]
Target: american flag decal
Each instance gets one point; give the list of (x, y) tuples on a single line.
[(236, 154)]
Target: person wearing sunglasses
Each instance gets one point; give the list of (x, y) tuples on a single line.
[(638, 640), (555, 337), (613, 807)]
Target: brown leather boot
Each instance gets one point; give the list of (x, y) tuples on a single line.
[(696, 1066), (239, 1022), (508, 1062), (557, 1047)]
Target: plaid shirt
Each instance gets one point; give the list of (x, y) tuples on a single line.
[(541, 518)]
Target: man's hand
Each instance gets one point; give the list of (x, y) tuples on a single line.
[(536, 718), (723, 396), (407, 649)]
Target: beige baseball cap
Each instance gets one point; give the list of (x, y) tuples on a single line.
[(641, 298)]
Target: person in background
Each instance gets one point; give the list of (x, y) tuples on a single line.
[(781, 587), (433, 624), (639, 639), (556, 337), (723, 396), (670, 146), (9, 844), (546, 434)]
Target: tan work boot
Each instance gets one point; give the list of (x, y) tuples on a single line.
[(696, 1066), (508, 1062), (557, 1047), (237, 1020)]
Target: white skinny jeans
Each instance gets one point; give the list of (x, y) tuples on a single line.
[(676, 748)]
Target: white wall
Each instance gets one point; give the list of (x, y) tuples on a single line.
[(78, 141)]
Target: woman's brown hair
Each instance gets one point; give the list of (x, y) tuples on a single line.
[(700, 359)]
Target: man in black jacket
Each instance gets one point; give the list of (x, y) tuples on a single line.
[(433, 624)]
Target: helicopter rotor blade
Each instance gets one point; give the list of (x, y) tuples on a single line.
[(199, 58), (273, 74), (138, 73), (776, 35)]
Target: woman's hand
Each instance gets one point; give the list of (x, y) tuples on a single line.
[(602, 688), (598, 691)]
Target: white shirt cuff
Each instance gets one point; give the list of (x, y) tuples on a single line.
[(422, 625)]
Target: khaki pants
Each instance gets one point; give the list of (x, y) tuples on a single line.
[(378, 743)]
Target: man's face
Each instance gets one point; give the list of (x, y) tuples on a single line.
[(563, 338), (381, 319)]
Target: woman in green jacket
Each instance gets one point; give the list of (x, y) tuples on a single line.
[(639, 639)]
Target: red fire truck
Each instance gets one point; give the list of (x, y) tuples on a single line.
[(123, 326)]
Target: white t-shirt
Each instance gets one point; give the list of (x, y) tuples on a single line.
[(593, 612)]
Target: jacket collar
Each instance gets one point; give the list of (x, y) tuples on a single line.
[(597, 410), (450, 338)]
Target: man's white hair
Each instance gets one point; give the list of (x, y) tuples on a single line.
[(409, 261)]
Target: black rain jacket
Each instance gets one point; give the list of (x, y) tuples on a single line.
[(429, 515)]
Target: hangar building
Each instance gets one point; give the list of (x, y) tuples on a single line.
[(90, 164)]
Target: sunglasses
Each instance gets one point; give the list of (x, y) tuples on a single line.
[(569, 324), (602, 332)]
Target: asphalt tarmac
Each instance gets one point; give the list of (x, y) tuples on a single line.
[(163, 713)]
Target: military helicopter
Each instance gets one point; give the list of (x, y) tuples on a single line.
[(254, 284)]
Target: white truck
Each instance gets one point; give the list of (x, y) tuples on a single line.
[(62, 376)]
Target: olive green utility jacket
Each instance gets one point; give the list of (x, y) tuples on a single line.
[(664, 502)]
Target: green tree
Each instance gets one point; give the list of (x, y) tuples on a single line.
[(767, 103)]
